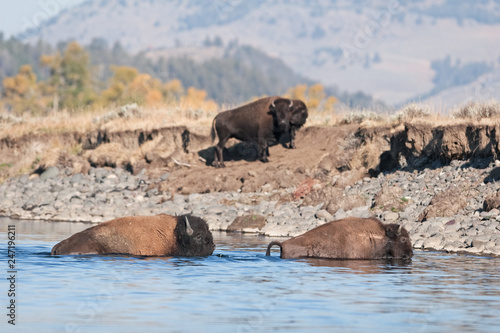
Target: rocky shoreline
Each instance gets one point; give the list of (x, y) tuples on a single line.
[(421, 200)]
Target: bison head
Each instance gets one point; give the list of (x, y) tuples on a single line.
[(298, 113), (399, 245), (280, 110), (193, 236)]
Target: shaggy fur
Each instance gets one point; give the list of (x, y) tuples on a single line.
[(349, 238), (160, 235)]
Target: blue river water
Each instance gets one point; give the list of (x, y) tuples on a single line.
[(239, 289)]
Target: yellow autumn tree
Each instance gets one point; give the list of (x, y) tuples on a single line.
[(297, 92), (117, 92), (145, 89), (315, 96), (129, 86), (196, 99), (330, 104), (173, 91), (21, 92)]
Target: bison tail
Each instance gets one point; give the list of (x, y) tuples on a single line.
[(213, 132), (268, 252)]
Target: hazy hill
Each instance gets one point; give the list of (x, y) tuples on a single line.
[(387, 48)]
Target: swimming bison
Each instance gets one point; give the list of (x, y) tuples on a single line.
[(349, 238), (160, 235), (261, 122)]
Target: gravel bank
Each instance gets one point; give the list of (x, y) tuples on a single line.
[(104, 194)]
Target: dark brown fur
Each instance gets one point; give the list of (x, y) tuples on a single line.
[(257, 122), (349, 238), (298, 116), (160, 235)]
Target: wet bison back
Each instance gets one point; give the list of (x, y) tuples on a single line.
[(139, 235), (350, 238)]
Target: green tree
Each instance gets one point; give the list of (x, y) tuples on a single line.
[(69, 79), (77, 88)]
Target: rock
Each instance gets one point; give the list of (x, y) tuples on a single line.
[(390, 197), (323, 214), (339, 214), (492, 202), (266, 188), (6, 203), (254, 222), (51, 172), (391, 216), (29, 205), (418, 243), (435, 242), (452, 226), (308, 212), (217, 210), (479, 242)]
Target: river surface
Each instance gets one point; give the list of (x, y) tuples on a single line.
[(239, 289)]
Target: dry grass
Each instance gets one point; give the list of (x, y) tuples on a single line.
[(200, 119), (60, 122), (478, 111), (158, 117), (85, 121), (413, 111)]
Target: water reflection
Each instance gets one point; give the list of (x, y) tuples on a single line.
[(360, 266)]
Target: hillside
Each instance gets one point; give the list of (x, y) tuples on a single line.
[(387, 49)]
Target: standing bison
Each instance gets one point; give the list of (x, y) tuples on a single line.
[(160, 235), (261, 122), (349, 238)]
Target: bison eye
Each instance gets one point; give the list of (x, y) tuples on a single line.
[(403, 239)]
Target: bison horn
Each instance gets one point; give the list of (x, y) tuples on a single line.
[(189, 230), (399, 229), (274, 106), (291, 103)]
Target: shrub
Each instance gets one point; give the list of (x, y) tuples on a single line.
[(475, 110), (412, 111), (357, 117)]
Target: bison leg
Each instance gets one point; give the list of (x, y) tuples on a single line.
[(219, 160), (292, 138), (219, 157), (262, 153)]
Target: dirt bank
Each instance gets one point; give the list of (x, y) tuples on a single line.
[(339, 154)]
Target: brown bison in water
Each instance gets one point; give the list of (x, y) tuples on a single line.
[(349, 238), (160, 235), (262, 121)]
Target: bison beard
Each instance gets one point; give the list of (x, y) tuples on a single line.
[(298, 116), (350, 238), (261, 122), (160, 235)]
